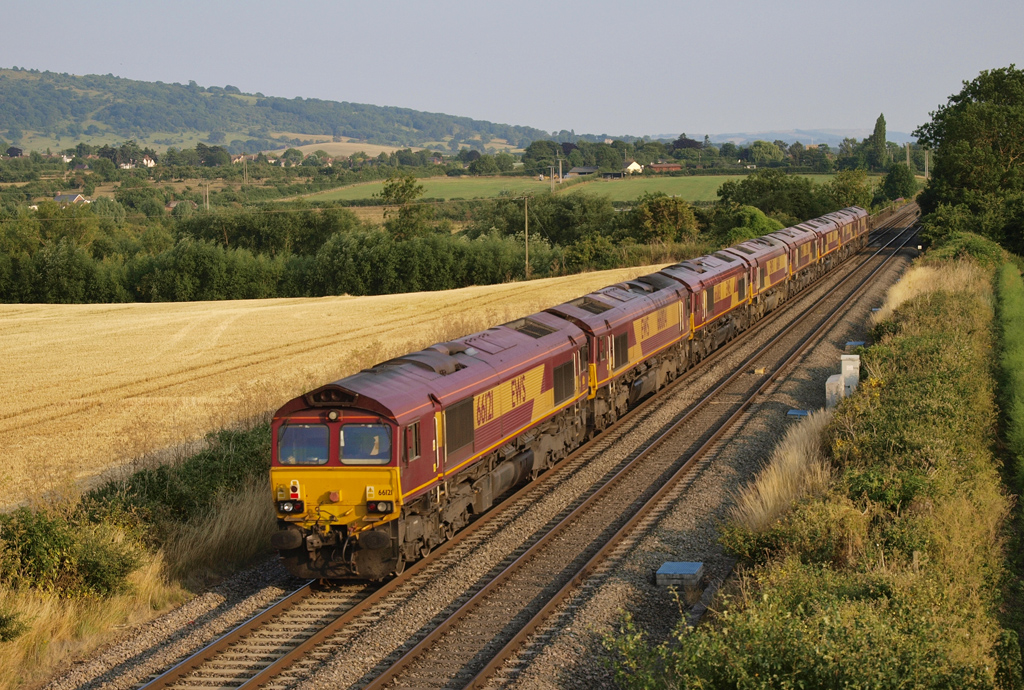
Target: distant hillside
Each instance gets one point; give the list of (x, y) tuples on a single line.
[(61, 109)]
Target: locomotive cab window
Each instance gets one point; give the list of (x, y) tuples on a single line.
[(412, 441), (303, 444), (365, 444)]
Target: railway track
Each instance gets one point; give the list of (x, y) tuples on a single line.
[(314, 624)]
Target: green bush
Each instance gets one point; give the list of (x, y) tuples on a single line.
[(153, 500), (47, 551), (813, 627), (11, 625)]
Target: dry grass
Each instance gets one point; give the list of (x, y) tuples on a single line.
[(924, 278), (61, 630), (796, 468), (236, 531), (91, 388)]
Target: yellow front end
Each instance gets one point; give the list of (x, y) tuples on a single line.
[(336, 497)]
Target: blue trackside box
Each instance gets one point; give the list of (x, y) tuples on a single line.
[(679, 573)]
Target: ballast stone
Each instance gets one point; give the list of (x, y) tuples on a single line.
[(679, 574)]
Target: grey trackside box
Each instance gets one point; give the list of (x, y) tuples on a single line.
[(679, 574)]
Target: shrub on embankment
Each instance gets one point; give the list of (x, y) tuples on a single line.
[(71, 570), (893, 577)]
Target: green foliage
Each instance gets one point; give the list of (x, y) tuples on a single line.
[(957, 244), (1010, 313), (47, 551), (848, 188), (11, 625), (978, 138), (899, 182), (773, 191), (877, 153), (765, 152), (657, 217), (152, 501)]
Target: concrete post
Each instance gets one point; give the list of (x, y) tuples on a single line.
[(833, 390), (850, 372)]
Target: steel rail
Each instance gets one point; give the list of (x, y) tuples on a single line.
[(445, 626)]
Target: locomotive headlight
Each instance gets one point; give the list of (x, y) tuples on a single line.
[(290, 506), (332, 415), (380, 507)]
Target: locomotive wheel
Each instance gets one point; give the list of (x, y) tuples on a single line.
[(424, 549)]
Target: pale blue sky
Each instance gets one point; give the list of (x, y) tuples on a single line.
[(651, 67)]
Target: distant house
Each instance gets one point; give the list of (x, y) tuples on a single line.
[(68, 199), (612, 175), (147, 162), (127, 166), (633, 167), (581, 170), (15, 152), (436, 160), (664, 167), (66, 158)]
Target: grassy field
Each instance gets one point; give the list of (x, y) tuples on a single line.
[(695, 188), (91, 388), (446, 188)]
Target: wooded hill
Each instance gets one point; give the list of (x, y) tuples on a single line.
[(69, 107)]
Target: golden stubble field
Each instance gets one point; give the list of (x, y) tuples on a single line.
[(92, 390)]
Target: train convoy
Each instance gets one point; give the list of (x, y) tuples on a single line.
[(372, 471)]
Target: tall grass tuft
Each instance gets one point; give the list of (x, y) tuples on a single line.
[(1010, 294), (229, 535), (797, 468)]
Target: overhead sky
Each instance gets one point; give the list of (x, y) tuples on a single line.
[(645, 67)]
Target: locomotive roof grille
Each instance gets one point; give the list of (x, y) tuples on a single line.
[(723, 256), (590, 304), (530, 327)]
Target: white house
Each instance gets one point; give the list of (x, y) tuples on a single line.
[(633, 167)]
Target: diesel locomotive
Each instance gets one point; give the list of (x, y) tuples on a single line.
[(371, 472)]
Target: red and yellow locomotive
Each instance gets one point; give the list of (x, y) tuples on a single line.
[(371, 472)]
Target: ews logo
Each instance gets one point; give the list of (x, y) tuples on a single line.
[(518, 386)]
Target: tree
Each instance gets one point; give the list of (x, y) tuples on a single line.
[(978, 140), (877, 153), (899, 182), (847, 188), (764, 152), (403, 218), (657, 217)]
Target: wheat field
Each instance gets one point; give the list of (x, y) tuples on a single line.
[(93, 390)]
